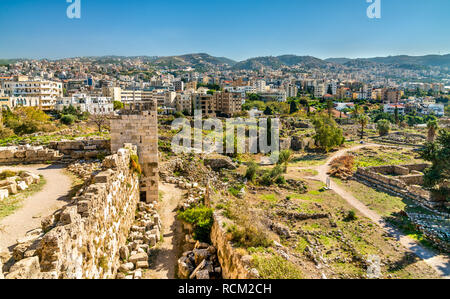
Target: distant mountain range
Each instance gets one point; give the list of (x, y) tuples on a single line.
[(203, 61)]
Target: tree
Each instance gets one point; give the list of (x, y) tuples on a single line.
[(383, 127), (396, 117), (118, 105), (284, 158), (68, 119), (293, 107), (437, 176), (100, 120), (432, 126), (330, 90), (268, 111), (363, 120), (330, 107), (328, 134), (355, 111)]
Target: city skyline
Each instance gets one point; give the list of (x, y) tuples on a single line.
[(323, 30)]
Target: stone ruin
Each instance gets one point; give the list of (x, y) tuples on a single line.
[(138, 125), (400, 180)]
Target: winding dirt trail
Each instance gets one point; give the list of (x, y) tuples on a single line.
[(165, 256), (52, 197), (439, 262)]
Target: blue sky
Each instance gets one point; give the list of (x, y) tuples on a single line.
[(237, 29)]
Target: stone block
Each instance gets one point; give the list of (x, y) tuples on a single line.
[(25, 269)]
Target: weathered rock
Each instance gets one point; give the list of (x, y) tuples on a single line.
[(47, 223), (19, 251), (200, 255), (185, 267), (125, 268), (218, 162), (25, 269), (69, 215), (124, 252), (138, 257), (204, 274), (142, 265)]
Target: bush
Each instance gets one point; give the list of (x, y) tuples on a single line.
[(68, 119), (351, 216), (383, 127), (7, 174), (134, 164), (202, 219), (248, 236), (251, 172), (118, 105), (5, 132)]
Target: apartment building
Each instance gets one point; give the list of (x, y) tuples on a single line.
[(178, 85), (228, 103), (86, 103), (205, 103), (291, 90), (391, 95), (36, 92), (183, 103)]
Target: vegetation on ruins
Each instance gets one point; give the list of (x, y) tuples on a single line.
[(285, 158), (201, 218), (363, 120), (134, 164)]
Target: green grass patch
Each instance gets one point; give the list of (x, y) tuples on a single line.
[(275, 267)]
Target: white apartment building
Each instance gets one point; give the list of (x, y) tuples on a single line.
[(91, 104), (291, 90), (27, 92), (261, 86), (319, 90)]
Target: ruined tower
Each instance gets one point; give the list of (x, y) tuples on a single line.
[(138, 124)]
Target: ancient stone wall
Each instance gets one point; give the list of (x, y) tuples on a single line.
[(27, 155), (405, 182), (82, 149), (234, 265), (139, 126), (87, 235)]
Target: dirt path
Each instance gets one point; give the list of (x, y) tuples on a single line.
[(441, 263), (42, 204), (163, 259)]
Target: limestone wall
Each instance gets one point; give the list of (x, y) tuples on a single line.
[(234, 265), (407, 184), (139, 126), (27, 155), (88, 234), (82, 149)]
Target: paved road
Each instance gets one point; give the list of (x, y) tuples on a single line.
[(439, 262), (52, 197)]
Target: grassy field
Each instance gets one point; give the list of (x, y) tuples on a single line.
[(336, 242), (14, 202)]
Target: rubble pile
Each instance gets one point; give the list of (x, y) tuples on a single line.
[(17, 183), (144, 235), (200, 263)]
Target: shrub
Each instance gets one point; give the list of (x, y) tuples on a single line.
[(251, 172), (5, 132), (68, 119), (328, 134), (202, 219), (134, 164), (383, 127), (118, 105), (351, 216), (248, 236), (7, 174)]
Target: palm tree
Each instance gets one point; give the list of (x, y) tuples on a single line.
[(363, 120), (433, 127)]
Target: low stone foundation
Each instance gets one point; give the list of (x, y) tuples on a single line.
[(82, 149), (28, 155), (403, 181)]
